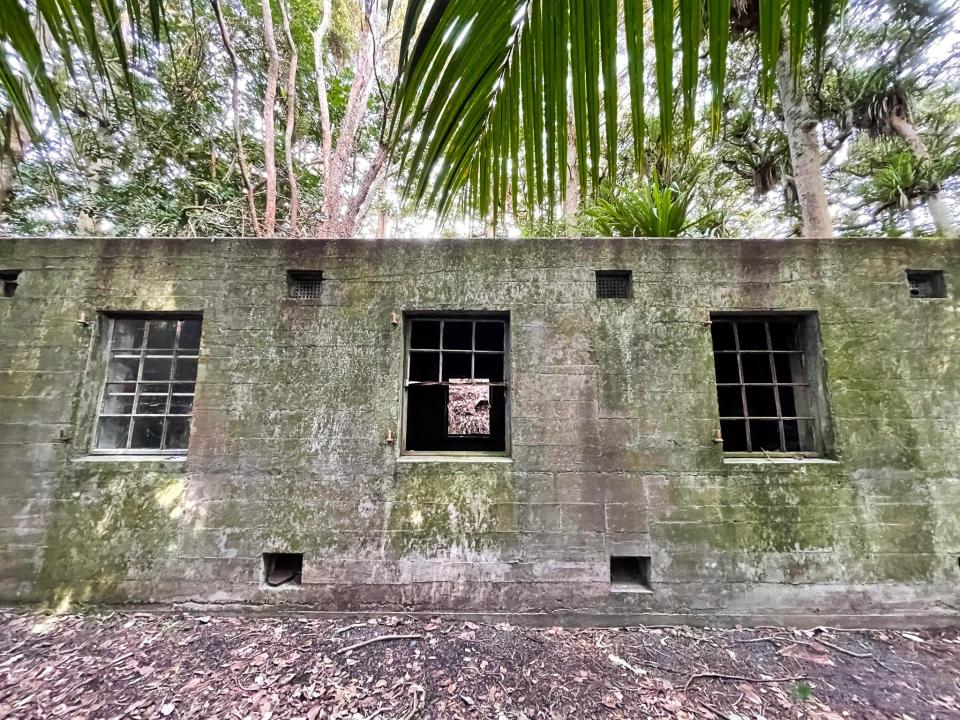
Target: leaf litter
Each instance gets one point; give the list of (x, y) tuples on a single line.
[(141, 665)]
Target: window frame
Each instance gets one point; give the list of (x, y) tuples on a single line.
[(409, 316), (106, 348), (810, 350)]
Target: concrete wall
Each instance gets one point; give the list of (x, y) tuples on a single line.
[(613, 415)]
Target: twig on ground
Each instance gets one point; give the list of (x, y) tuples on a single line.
[(851, 653), (773, 640), (419, 695), (381, 638), (348, 628), (721, 676)]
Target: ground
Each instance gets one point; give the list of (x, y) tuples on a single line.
[(145, 665)]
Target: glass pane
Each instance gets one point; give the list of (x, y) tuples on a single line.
[(155, 388), (756, 368), (765, 435), (425, 334), (120, 388), (112, 433), (722, 335), (761, 402), (425, 366), (117, 404), (727, 369), (178, 434), (152, 404), (157, 368), (123, 368), (457, 366), (186, 369), (734, 434), (184, 388), (161, 334), (458, 335), (127, 333), (181, 404), (147, 433), (753, 335), (488, 367), (730, 401), (490, 336), (783, 335), (189, 335)]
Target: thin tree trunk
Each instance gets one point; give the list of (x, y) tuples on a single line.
[(269, 131), (235, 106), (291, 117), (320, 77), (572, 202), (15, 141), (800, 126), (905, 129)]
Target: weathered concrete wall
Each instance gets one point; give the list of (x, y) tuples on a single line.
[(613, 414)]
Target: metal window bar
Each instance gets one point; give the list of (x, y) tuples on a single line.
[(143, 353), (744, 383)]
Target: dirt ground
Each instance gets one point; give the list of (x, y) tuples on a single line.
[(142, 665)]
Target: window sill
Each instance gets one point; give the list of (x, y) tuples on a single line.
[(473, 459), (628, 589), (764, 460), (121, 458)]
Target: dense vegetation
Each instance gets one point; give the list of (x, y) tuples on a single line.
[(333, 118)]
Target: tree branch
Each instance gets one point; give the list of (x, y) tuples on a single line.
[(291, 118), (269, 132)]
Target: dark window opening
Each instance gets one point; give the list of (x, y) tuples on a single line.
[(614, 284), (305, 285), (630, 570), (8, 282), (765, 385), (927, 283), (150, 383), (282, 569), (456, 385)]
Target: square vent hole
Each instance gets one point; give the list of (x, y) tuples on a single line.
[(305, 284), (630, 571), (614, 284), (8, 282), (282, 569), (927, 283)]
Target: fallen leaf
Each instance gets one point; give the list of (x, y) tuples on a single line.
[(808, 653)]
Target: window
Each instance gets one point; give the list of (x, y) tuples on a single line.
[(148, 392), (612, 284), (305, 285), (8, 282), (927, 283), (282, 569), (456, 384), (768, 388)]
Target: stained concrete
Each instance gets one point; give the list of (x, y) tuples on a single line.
[(613, 415)]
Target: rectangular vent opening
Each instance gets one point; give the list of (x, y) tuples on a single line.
[(305, 284), (614, 284), (8, 282), (630, 571), (282, 569), (927, 283)]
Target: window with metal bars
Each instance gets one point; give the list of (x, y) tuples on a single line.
[(305, 284), (456, 384), (766, 392), (614, 284), (927, 283), (147, 399)]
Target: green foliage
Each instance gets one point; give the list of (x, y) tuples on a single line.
[(802, 691), (652, 210), (894, 177)]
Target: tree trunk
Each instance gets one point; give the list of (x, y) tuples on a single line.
[(801, 130), (235, 106), (291, 118), (320, 77), (15, 143), (905, 129), (572, 201), (269, 132)]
